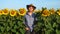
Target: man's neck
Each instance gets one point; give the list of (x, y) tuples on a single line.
[(30, 13)]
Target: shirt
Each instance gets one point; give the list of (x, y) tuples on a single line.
[(29, 20)]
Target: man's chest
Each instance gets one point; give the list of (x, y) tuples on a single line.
[(29, 18)]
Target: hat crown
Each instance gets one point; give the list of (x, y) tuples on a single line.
[(31, 4)]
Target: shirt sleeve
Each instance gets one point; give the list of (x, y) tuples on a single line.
[(25, 21)]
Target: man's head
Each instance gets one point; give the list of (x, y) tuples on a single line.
[(31, 7)]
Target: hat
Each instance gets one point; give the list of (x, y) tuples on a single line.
[(31, 5)]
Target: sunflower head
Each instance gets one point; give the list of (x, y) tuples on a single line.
[(5, 11), (58, 12), (52, 11), (12, 12), (45, 13), (22, 11), (1, 12)]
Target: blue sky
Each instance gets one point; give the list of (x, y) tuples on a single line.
[(16, 4)]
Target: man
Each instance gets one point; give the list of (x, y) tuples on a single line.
[(30, 19)]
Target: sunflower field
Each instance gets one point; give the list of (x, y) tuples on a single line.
[(11, 21)]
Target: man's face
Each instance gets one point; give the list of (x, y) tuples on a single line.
[(31, 9)]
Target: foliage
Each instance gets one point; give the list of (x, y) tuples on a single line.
[(11, 21), (49, 22)]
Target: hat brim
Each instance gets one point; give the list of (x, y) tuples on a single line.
[(31, 6)]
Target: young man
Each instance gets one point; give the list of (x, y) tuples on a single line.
[(30, 19)]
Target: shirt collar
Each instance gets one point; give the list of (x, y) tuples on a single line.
[(29, 15)]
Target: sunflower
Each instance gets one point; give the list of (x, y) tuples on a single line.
[(58, 12), (1, 12), (12, 12), (22, 11), (52, 11), (45, 13), (5, 11)]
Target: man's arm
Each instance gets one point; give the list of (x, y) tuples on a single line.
[(25, 22)]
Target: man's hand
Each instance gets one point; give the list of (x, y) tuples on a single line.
[(27, 28)]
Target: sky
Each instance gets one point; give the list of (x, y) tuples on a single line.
[(16, 4)]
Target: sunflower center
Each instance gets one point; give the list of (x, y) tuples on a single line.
[(22, 12), (12, 12), (0, 12), (5, 11), (45, 13)]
